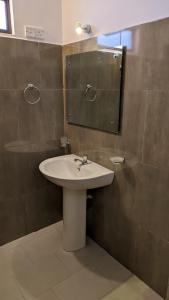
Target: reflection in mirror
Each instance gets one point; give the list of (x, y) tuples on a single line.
[(94, 89)]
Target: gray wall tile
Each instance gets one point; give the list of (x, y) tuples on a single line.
[(51, 66), (28, 135), (130, 218), (156, 141)]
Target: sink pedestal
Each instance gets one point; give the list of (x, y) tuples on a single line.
[(74, 219)]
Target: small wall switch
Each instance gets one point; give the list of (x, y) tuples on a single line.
[(40, 34), (35, 33), (29, 32)]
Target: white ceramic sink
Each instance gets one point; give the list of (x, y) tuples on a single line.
[(64, 171)]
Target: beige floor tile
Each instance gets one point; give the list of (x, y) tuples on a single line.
[(96, 259), (68, 259), (44, 244), (35, 279), (10, 260), (133, 289), (83, 285), (92, 284), (76, 261), (9, 290), (5, 261), (93, 257), (50, 295), (37, 268)]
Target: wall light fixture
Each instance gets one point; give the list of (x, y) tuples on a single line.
[(83, 28)]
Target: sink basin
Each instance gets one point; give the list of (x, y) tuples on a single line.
[(64, 171)]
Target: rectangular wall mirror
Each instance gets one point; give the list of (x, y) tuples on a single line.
[(94, 89)]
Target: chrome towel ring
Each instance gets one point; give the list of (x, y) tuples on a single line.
[(31, 94), (90, 93)]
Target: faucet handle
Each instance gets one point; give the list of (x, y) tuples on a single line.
[(64, 141)]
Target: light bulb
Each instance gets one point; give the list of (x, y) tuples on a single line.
[(79, 29)]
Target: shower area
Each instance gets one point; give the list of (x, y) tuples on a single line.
[(30, 133)]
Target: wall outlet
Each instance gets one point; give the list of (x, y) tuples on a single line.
[(34, 33)]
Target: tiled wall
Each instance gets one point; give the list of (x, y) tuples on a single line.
[(130, 218), (28, 135)]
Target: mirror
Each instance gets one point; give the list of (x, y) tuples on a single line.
[(94, 89)]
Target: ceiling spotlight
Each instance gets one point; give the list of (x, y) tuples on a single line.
[(83, 28)]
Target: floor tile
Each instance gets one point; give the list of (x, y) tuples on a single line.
[(48, 295), (32, 278), (35, 279), (133, 289), (42, 245), (75, 261), (92, 283), (96, 259), (69, 260), (37, 268), (9, 290), (10, 260), (90, 257)]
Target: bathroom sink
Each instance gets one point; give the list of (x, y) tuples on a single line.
[(75, 178), (63, 171)]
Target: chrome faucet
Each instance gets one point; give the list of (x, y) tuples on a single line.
[(65, 144), (84, 161)]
